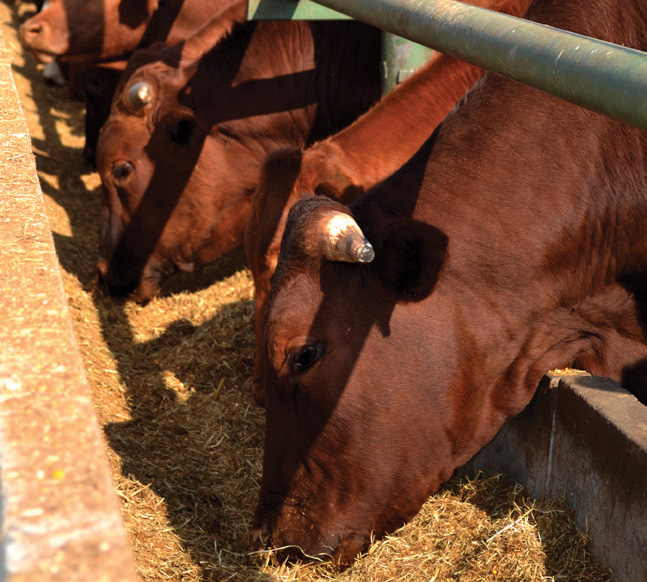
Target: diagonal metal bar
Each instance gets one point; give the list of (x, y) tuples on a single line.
[(600, 76)]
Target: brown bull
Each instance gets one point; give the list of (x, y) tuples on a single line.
[(402, 330), (344, 166), (181, 153)]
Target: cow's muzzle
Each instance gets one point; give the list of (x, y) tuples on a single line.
[(112, 286)]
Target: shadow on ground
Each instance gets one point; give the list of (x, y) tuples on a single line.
[(193, 437)]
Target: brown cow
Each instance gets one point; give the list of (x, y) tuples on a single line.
[(92, 30), (101, 79), (346, 165), (104, 31), (402, 330), (179, 165)]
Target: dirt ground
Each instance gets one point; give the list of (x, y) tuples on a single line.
[(172, 389)]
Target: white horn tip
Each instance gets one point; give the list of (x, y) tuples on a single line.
[(140, 93), (364, 253), (343, 240)]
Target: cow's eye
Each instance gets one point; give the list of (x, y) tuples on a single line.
[(305, 357), (121, 170)]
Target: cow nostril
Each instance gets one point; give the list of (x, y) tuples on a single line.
[(261, 536), (101, 284), (111, 284), (102, 272), (348, 548), (34, 28), (102, 268)]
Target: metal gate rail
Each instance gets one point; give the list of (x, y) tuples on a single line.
[(600, 76)]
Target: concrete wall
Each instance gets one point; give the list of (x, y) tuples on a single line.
[(60, 518), (583, 438)]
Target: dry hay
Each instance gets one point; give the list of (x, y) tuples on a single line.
[(171, 384), (473, 531)]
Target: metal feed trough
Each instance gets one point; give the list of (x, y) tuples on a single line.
[(60, 517)]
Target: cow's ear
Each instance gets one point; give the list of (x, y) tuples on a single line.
[(409, 259)]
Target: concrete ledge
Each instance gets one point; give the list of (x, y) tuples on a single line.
[(60, 517), (583, 438)]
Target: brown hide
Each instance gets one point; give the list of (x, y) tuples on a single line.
[(510, 244), (91, 30), (179, 172), (101, 80), (346, 165), (104, 30)]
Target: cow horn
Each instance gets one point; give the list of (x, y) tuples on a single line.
[(140, 94), (341, 239)]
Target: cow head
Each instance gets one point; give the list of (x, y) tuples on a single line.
[(288, 175), (88, 29), (362, 425), (171, 199), (382, 377), (181, 154)]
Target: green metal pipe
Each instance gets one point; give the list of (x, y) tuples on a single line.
[(600, 76)]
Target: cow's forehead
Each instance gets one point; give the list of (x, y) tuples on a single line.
[(294, 302), (156, 72)]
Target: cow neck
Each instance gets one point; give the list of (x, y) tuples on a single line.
[(381, 140), (215, 30), (561, 196), (623, 22), (529, 240)]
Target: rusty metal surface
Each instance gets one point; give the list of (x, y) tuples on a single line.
[(60, 518)]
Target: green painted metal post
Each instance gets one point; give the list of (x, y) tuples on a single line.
[(400, 58), (600, 76), (291, 10)]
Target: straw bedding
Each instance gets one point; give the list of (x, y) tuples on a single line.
[(171, 384)]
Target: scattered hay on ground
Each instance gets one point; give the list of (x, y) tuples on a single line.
[(172, 390), (472, 531)]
